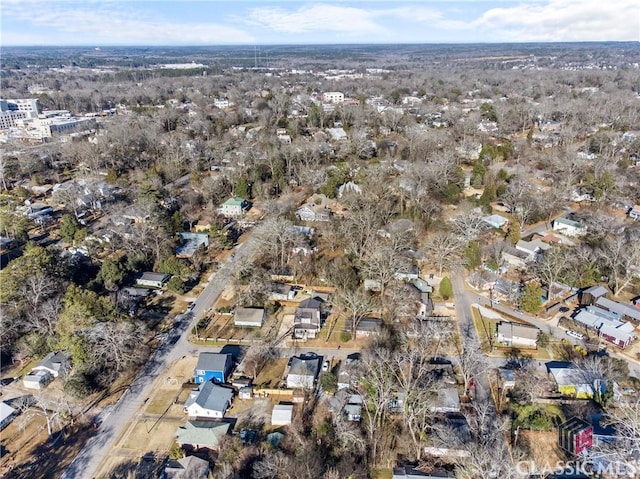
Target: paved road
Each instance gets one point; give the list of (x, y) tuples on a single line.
[(88, 461), (544, 326), (468, 334)]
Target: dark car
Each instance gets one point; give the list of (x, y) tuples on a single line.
[(5, 381), (247, 436), (439, 360)]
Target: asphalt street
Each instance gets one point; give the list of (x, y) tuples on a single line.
[(88, 461)]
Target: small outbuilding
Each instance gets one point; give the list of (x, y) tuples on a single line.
[(282, 414)]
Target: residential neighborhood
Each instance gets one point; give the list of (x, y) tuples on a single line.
[(369, 262)]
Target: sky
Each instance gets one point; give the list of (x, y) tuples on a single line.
[(264, 22)]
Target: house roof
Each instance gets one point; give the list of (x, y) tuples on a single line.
[(575, 377), (620, 308), (190, 466), (202, 433), (148, 276), (54, 361), (496, 221), (510, 250), (532, 246), (211, 396), (410, 472), (282, 413), (236, 201), (421, 285), (605, 321), (369, 325), (213, 361), (310, 303), (447, 400), (5, 411), (596, 291), (305, 366), (249, 315), (511, 330), (567, 222)]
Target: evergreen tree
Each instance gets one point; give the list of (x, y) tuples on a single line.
[(531, 299), (446, 288)]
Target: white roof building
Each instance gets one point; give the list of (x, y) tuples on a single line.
[(249, 317), (282, 415)]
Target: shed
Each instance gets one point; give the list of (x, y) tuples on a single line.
[(282, 414)]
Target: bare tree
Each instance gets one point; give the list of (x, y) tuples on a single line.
[(357, 302), (620, 256), (276, 237), (443, 250)]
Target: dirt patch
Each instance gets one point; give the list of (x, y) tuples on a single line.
[(542, 447)]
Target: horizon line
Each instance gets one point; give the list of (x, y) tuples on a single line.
[(142, 45)]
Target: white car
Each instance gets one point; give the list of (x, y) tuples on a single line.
[(575, 334), (325, 366)]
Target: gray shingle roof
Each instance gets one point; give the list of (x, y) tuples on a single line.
[(212, 397), (212, 361), (305, 367)]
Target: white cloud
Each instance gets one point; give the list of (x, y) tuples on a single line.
[(563, 20), (111, 23), (316, 18)]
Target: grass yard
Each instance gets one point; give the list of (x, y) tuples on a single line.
[(484, 328), (150, 434), (271, 374), (162, 401)]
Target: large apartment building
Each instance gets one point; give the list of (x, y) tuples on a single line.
[(12, 111)]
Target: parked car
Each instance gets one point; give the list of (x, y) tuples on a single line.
[(575, 334), (325, 366)]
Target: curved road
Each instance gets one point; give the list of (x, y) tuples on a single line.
[(88, 461)]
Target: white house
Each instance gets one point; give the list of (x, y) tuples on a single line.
[(515, 334), (568, 227), (303, 372), (211, 400), (54, 363), (153, 280), (234, 207), (282, 414), (249, 317)]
